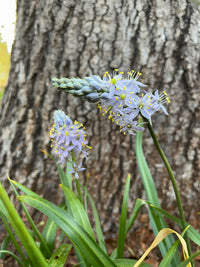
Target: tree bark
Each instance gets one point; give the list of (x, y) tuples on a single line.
[(58, 38)]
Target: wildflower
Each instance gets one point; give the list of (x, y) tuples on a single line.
[(67, 137), (118, 97), (158, 101), (76, 169)]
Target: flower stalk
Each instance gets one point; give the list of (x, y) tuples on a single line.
[(173, 181), (78, 186)]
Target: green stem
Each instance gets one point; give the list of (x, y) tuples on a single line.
[(78, 186), (174, 184)]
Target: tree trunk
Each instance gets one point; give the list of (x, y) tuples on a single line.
[(56, 38)]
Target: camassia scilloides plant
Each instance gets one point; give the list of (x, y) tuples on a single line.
[(121, 99)]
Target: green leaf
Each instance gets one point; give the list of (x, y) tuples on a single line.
[(77, 211), (128, 263), (192, 233), (157, 222), (10, 233), (13, 255), (65, 178), (4, 246), (43, 247), (98, 228), (79, 237), (138, 204), (23, 188), (122, 225), (193, 256), (59, 257), (49, 233), (20, 229), (171, 252)]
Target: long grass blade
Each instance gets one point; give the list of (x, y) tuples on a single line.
[(44, 247), (13, 255), (80, 238), (157, 221), (33, 252), (122, 224), (98, 228)]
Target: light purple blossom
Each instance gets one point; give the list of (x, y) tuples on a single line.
[(122, 101), (67, 136), (76, 169)]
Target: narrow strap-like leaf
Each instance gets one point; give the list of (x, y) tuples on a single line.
[(122, 224), (80, 238)]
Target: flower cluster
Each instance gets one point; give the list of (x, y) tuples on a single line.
[(122, 102), (68, 139), (117, 97)]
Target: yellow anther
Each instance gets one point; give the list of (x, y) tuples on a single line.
[(117, 98), (168, 100)]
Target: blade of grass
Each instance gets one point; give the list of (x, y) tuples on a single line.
[(11, 235), (49, 234), (98, 228), (76, 210), (13, 255), (192, 257), (192, 233), (20, 229), (138, 204), (60, 255), (80, 238), (122, 224), (157, 221), (44, 248), (171, 252), (4, 245)]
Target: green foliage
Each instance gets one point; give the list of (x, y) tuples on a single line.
[(82, 240), (157, 222), (60, 255)]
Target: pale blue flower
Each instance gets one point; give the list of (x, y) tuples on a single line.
[(76, 169), (118, 97), (158, 100), (67, 136)]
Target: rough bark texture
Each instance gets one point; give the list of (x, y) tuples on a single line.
[(56, 38)]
